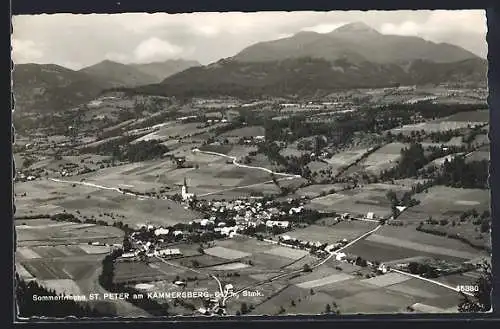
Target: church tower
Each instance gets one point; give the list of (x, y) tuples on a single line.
[(184, 189)]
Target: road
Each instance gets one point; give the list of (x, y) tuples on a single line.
[(236, 163), (431, 281), (116, 189)]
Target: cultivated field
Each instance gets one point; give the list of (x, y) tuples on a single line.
[(226, 253), (479, 116), (444, 202), (384, 158), (134, 271), (313, 191), (251, 131), (330, 234), (360, 201)]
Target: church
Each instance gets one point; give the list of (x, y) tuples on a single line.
[(186, 196)]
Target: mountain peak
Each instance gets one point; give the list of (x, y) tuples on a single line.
[(355, 27)]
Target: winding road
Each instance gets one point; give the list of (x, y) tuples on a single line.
[(236, 163)]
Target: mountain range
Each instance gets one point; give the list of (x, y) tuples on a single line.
[(50, 87), (307, 63)]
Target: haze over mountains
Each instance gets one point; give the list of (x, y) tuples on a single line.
[(352, 56)]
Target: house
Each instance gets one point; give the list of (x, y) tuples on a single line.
[(228, 289), (168, 252), (205, 222), (177, 233), (400, 208), (128, 255), (370, 215), (161, 231), (282, 224), (180, 283), (383, 268), (295, 210), (340, 256)]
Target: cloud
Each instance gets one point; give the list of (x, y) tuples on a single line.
[(154, 49), (25, 51), (323, 28), (441, 23)]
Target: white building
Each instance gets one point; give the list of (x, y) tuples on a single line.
[(370, 215), (383, 268), (228, 288), (340, 256), (128, 255), (161, 231), (168, 252), (282, 223)]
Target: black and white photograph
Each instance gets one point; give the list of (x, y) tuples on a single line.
[(242, 164)]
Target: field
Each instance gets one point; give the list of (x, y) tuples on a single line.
[(178, 130), (360, 201), (375, 251), (64, 261), (334, 278), (226, 253), (286, 252), (384, 158), (126, 272), (434, 126), (479, 116), (250, 131), (387, 293), (345, 158), (314, 191), (444, 202), (410, 235), (330, 234), (48, 197), (478, 156)]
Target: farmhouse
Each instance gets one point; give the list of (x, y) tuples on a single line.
[(168, 252), (205, 222), (283, 224), (340, 256), (228, 288), (128, 255), (161, 231)]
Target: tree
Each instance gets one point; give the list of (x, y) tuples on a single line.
[(244, 308), (306, 268), (481, 301), (127, 245), (328, 309)]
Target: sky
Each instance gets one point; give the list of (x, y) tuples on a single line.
[(76, 41)]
